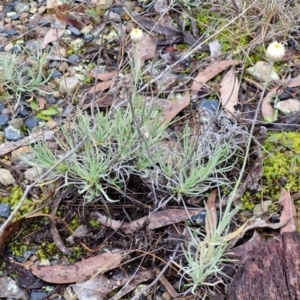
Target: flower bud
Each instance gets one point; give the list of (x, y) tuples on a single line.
[(136, 35), (275, 51)]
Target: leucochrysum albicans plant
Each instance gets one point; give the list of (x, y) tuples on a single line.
[(205, 254)]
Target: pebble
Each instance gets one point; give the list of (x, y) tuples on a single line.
[(6, 178), (69, 85), (11, 32), (21, 7), (15, 17), (24, 113), (86, 29), (14, 292), (210, 105), (261, 208), (56, 74), (17, 123), (16, 50), (35, 295), (4, 210), (73, 59), (32, 122), (261, 71), (67, 110), (33, 173), (288, 106), (112, 16), (74, 30), (6, 111), (2, 105), (12, 134), (50, 99), (33, 45), (199, 219), (3, 120), (15, 155), (88, 37)]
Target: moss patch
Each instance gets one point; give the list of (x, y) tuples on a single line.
[(282, 161)]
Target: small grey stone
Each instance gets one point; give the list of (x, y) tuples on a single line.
[(11, 32), (6, 111), (74, 30), (17, 123), (88, 37), (61, 102), (15, 17), (69, 85), (112, 16), (3, 34), (16, 50), (199, 219), (56, 74), (32, 122), (210, 105), (2, 105), (50, 99), (33, 45), (21, 7), (6, 178), (24, 113), (33, 173), (67, 110), (2, 29), (36, 295), (10, 290), (3, 120), (4, 210), (73, 59), (12, 134)]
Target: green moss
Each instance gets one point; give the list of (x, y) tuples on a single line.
[(14, 198), (284, 161), (247, 202)]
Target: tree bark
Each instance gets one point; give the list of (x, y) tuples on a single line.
[(272, 274)]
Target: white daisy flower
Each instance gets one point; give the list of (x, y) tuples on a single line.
[(275, 51), (136, 35)]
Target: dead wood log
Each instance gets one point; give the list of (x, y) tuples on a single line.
[(272, 274)]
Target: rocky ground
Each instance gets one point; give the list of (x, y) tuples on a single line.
[(147, 139)]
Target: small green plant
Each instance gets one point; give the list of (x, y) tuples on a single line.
[(93, 14), (24, 77)]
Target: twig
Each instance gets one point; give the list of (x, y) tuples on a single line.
[(137, 296)]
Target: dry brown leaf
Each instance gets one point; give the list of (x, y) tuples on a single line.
[(8, 232), (101, 86), (104, 76), (55, 32), (288, 213), (174, 108), (154, 220), (211, 219), (266, 108), (146, 48), (79, 271), (42, 102), (234, 234), (250, 248), (210, 72), (258, 223), (229, 90)]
